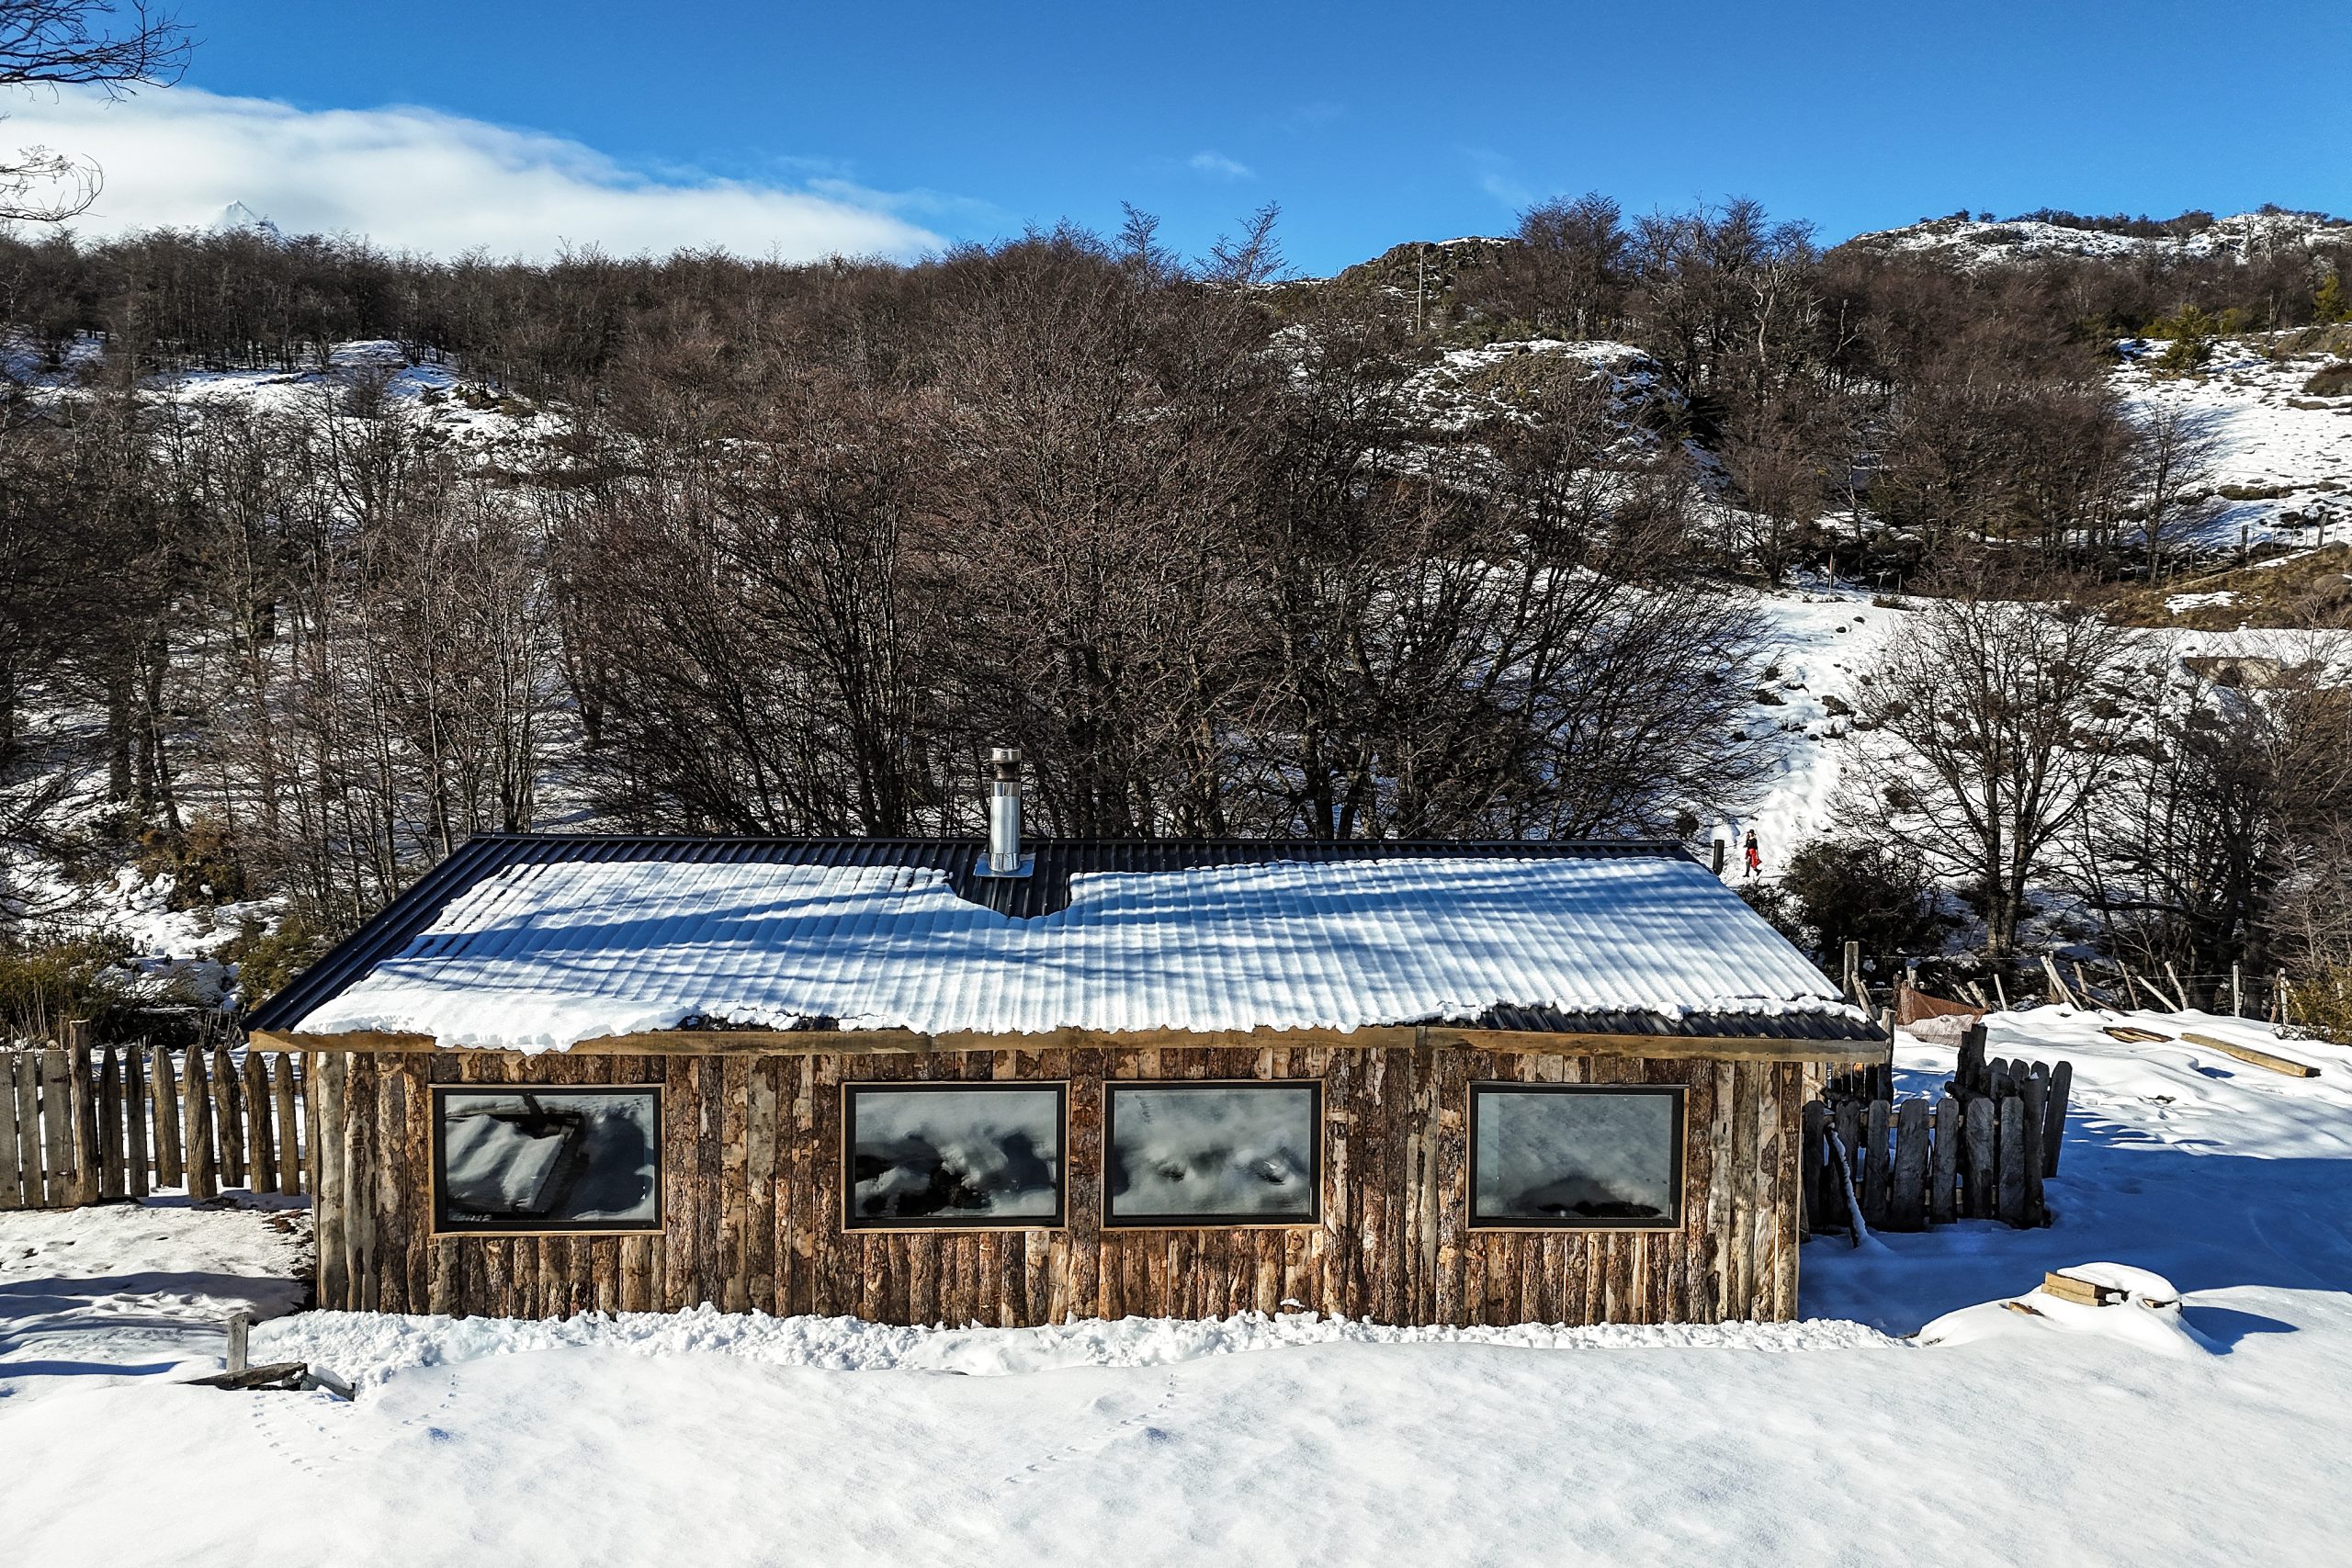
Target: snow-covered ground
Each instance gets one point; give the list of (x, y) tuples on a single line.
[(1980, 242), (2282, 461), (2221, 1434), (1819, 643)]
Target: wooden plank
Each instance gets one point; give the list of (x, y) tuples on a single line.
[(1877, 1185), (171, 1164), (758, 1160), (359, 1188), (195, 1132), (1978, 1165), (12, 1170), (261, 1139), (109, 1125), (82, 1105), (1790, 1097), (2252, 1055), (328, 1199), (2053, 1131), (1813, 1216), (1943, 1196), (283, 1099), (1907, 1195), (2011, 1153), (136, 1180), (2083, 1293), (57, 1117), (2030, 1134), (229, 1117)]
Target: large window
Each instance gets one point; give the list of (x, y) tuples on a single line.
[(568, 1160), (950, 1155), (1196, 1154), (1575, 1156)]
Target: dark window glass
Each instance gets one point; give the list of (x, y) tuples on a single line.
[(948, 1154), (1212, 1154), (1575, 1156), (516, 1160)]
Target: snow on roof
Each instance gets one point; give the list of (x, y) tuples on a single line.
[(541, 957)]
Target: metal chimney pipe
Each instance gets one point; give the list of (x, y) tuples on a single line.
[(1004, 812)]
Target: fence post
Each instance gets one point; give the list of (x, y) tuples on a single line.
[(2053, 1117), (1978, 1117), (1875, 1163), (134, 1121), (1908, 1205), (230, 1151), (56, 1130), (261, 1149), (12, 1192), (2012, 1161), (289, 1133), (1944, 1202), (2033, 1133), (110, 1124), (171, 1169), (81, 1106), (26, 1067), (195, 1105)]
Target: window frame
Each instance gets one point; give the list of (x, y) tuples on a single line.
[(1212, 1222), (917, 1224), (437, 1171), (1677, 1095)]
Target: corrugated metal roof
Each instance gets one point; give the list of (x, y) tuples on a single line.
[(585, 935)]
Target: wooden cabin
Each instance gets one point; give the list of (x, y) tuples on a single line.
[(925, 1081)]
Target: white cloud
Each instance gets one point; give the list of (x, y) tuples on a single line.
[(418, 179), (1217, 165)]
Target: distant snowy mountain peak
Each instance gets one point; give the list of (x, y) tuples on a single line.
[(237, 216), (1980, 242)]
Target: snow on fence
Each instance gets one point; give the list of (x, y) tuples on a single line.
[(82, 1124), (1979, 1151)]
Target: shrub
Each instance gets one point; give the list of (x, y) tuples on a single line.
[(2331, 381), (43, 982), (1871, 894), (2321, 1002), (267, 959), (2328, 304), (1774, 905)]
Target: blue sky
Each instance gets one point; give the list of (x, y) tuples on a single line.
[(1370, 124)]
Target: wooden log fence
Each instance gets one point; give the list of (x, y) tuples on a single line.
[(83, 1123), (1980, 1149)]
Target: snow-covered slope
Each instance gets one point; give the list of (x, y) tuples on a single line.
[(1979, 242), (2282, 457)]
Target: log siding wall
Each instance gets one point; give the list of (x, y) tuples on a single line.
[(753, 1178)]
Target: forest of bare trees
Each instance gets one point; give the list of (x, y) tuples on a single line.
[(787, 548)]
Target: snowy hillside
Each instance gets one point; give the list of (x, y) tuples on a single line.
[(1982, 242), (2140, 1433), (2282, 455)]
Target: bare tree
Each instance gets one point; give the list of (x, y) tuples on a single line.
[(1996, 726), (58, 43), (2174, 450)]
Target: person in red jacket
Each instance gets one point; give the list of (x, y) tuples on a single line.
[(1754, 858)]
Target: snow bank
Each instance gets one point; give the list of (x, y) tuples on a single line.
[(370, 1347), (2148, 1315)]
